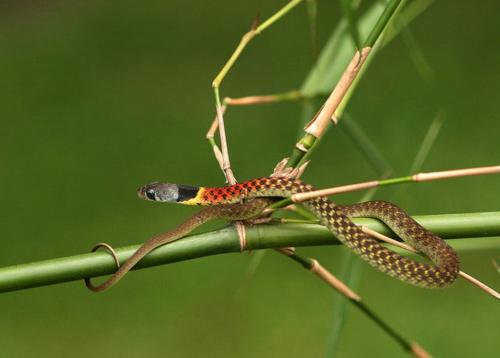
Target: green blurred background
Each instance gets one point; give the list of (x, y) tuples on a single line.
[(98, 98)]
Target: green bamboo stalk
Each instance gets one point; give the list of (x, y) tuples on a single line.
[(382, 22), (408, 14), (226, 240)]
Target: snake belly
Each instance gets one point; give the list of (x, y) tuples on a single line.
[(442, 273)]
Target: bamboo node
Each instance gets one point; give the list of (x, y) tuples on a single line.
[(301, 147), (288, 251), (242, 235)]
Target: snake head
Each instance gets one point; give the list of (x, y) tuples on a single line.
[(156, 191)]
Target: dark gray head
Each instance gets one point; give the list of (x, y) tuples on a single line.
[(156, 191)]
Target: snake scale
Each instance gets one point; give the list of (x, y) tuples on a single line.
[(235, 203)]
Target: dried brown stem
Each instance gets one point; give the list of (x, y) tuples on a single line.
[(226, 164), (251, 100), (418, 351), (495, 169), (215, 125), (318, 125), (296, 198), (332, 281)]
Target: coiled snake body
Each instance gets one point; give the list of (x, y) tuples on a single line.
[(233, 203)]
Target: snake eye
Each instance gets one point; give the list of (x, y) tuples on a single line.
[(150, 194)]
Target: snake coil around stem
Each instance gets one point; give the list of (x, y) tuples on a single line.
[(231, 203)]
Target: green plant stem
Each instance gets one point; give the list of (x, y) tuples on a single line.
[(382, 22), (226, 240), (248, 37), (278, 15)]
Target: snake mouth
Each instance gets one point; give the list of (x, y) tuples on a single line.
[(140, 192)]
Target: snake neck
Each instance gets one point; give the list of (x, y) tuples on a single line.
[(260, 187)]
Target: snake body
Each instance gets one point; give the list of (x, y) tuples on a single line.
[(241, 201)]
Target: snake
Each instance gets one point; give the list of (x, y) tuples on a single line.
[(248, 199)]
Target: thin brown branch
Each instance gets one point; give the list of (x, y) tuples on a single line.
[(332, 281), (495, 169), (297, 198), (263, 99)]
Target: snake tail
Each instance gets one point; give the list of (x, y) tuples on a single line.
[(231, 212)]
